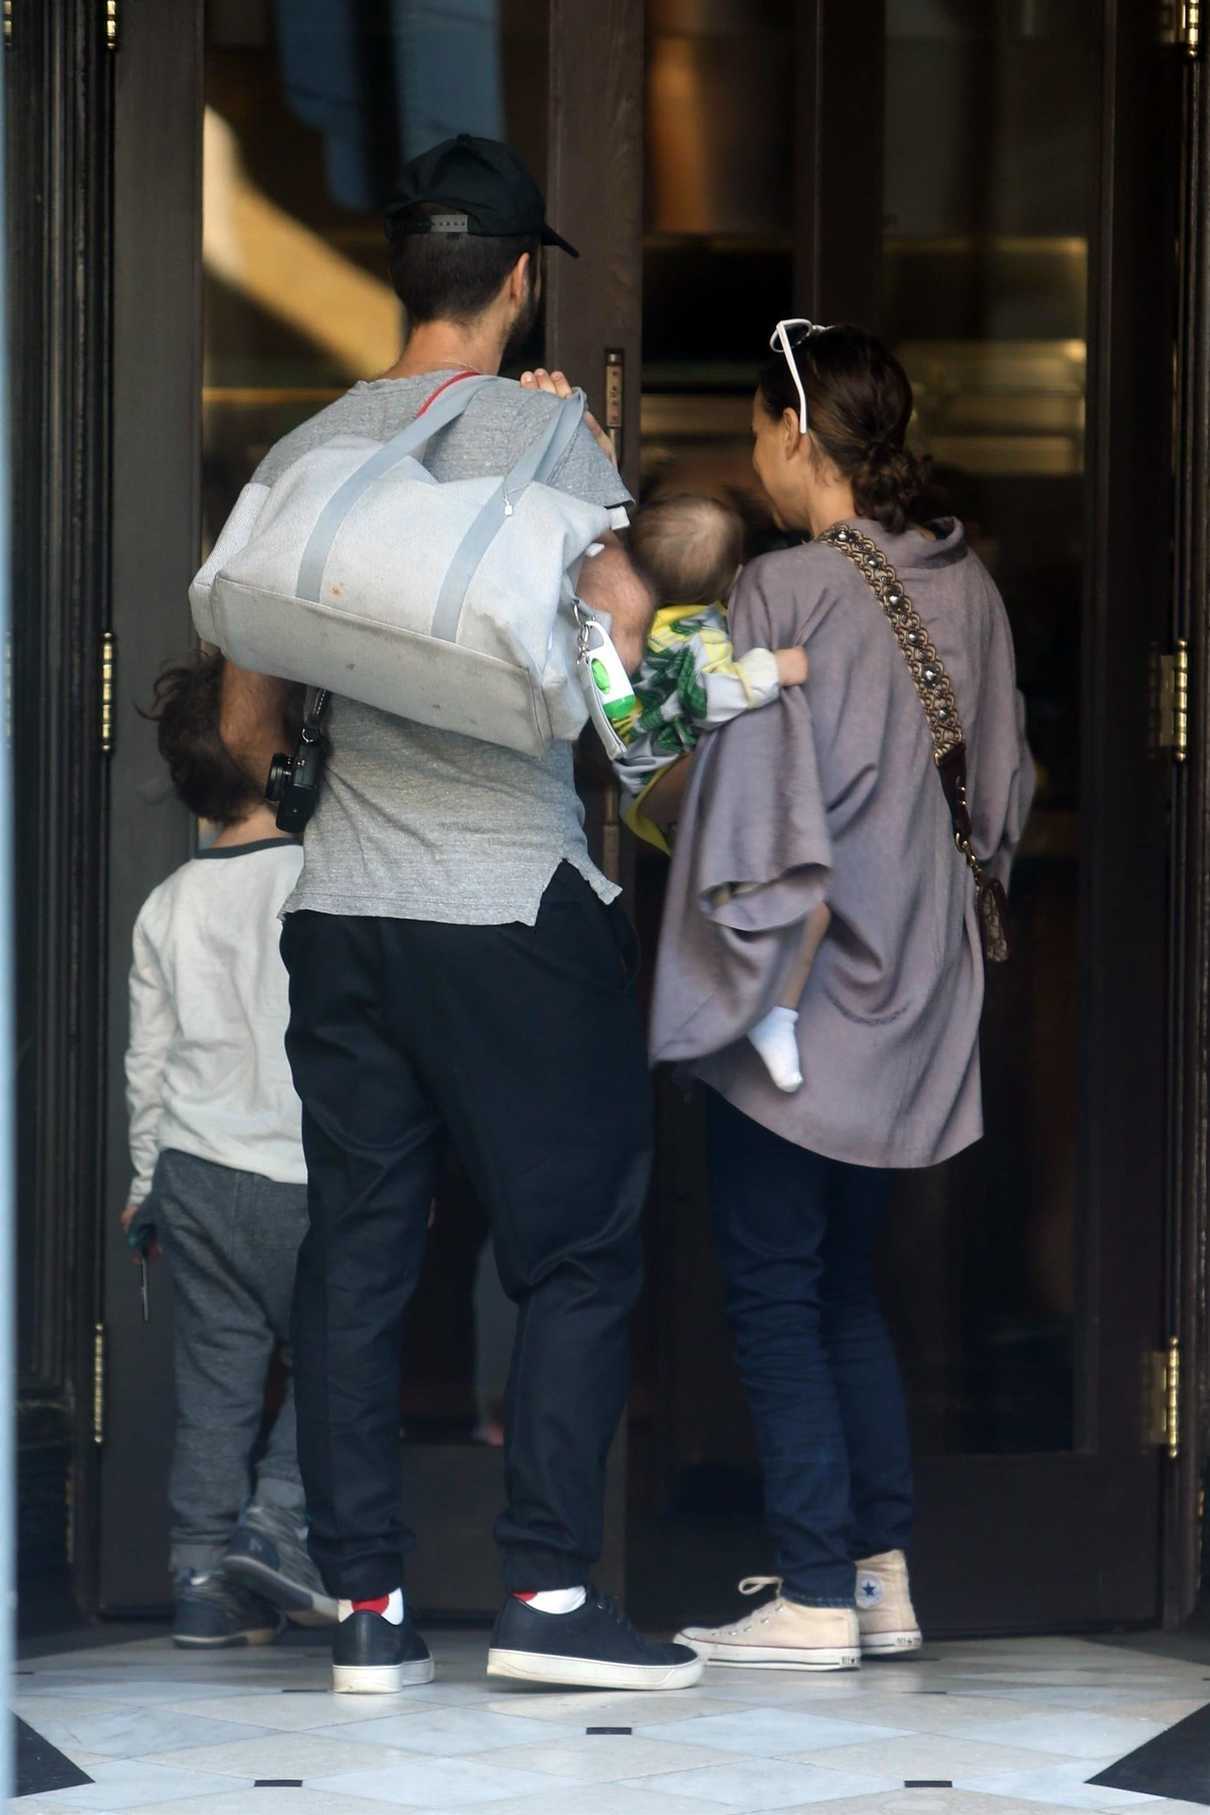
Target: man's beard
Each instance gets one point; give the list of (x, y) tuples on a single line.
[(525, 323)]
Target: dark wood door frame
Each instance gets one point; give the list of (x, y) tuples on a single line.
[(1148, 535), (60, 85), (156, 516), (595, 305), (1190, 971)]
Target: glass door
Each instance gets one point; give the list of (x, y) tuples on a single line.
[(1025, 1280), (264, 139)]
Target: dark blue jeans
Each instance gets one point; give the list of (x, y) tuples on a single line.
[(796, 1236)]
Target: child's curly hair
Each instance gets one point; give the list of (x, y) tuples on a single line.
[(207, 778)]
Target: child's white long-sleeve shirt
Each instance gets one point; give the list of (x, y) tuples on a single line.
[(206, 1068)]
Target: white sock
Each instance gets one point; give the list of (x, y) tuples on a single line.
[(775, 1038), (555, 1600), (390, 1606)]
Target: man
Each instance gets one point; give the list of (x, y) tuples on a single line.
[(458, 967)]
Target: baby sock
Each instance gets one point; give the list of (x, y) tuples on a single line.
[(775, 1038), (554, 1600), (390, 1606)]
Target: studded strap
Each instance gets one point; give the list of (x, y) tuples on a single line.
[(935, 691)]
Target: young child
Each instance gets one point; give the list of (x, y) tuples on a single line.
[(219, 1179), (691, 681)]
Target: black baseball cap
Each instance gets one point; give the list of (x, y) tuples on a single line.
[(477, 186)]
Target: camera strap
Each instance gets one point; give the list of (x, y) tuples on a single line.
[(313, 714)]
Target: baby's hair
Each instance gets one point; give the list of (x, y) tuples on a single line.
[(186, 708), (689, 547)]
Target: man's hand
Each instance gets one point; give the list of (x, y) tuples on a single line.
[(609, 582), (252, 720), (558, 386)]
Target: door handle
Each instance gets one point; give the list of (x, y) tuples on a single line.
[(615, 398)]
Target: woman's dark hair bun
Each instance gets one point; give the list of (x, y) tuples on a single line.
[(888, 484)]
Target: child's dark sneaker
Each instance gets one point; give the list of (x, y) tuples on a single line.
[(213, 1612), (268, 1554), (595, 1647), (371, 1656)]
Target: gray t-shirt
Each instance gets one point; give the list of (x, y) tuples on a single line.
[(419, 824)]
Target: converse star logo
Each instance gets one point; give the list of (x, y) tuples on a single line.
[(869, 1591)]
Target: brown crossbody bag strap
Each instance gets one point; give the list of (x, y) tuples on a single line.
[(936, 694)]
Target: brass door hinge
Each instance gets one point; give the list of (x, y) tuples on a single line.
[(109, 663), (1164, 1399), (111, 24), (1181, 25), (8, 24), (98, 1384), (1171, 698)]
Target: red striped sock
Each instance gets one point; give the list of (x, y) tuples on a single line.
[(552, 1600), (386, 1606)]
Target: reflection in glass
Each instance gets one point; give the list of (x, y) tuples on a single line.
[(989, 186), (718, 251), (310, 111), (987, 212)]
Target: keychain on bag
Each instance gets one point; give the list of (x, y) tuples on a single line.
[(612, 704)]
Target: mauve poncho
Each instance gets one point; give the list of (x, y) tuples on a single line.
[(830, 794)]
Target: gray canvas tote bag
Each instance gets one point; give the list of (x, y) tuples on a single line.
[(451, 604)]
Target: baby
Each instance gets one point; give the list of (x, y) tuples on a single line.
[(691, 681)]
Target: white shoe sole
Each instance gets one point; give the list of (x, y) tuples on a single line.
[(381, 1679), (892, 1644), (261, 1635), (774, 1657), (590, 1673)]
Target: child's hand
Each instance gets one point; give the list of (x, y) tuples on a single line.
[(152, 1249), (792, 666)]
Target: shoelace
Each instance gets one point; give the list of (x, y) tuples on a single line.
[(754, 1584), (606, 1604), (761, 1615)]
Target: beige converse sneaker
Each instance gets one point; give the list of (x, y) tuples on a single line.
[(780, 1635), (884, 1607)]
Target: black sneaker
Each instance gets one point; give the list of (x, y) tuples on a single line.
[(372, 1657), (268, 1553), (594, 1648), (212, 1612)]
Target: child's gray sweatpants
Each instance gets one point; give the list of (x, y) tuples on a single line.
[(232, 1240)]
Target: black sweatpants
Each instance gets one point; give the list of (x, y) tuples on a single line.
[(524, 1045)]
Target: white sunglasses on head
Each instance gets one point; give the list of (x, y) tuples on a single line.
[(779, 341)]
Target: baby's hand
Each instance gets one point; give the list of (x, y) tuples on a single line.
[(792, 666)]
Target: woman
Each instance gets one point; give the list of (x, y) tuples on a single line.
[(831, 795)]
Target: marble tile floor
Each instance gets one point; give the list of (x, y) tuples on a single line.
[(1001, 1727)]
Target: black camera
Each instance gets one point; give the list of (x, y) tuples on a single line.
[(294, 781)]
